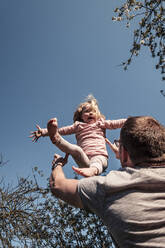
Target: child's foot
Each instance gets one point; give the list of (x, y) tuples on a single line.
[(86, 172), (52, 127)]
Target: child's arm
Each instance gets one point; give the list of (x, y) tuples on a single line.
[(68, 130), (41, 132), (113, 147), (114, 124)]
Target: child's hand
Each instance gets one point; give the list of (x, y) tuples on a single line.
[(36, 134), (113, 147)]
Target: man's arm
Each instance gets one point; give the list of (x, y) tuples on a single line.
[(63, 188)]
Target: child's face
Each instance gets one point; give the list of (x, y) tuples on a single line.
[(89, 114)]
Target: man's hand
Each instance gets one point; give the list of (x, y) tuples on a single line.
[(113, 147), (58, 160)]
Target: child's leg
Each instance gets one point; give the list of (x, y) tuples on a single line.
[(86, 172), (97, 165), (75, 151), (100, 162)]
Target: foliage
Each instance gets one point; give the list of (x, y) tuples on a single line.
[(150, 31), (31, 217)]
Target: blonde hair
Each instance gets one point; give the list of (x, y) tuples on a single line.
[(90, 100)]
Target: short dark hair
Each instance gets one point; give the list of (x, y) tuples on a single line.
[(144, 139)]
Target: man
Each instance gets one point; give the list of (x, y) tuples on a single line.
[(130, 201)]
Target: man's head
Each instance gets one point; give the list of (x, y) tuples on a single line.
[(143, 138)]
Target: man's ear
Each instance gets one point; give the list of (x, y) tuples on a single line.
[(125, 158), (124, 154)]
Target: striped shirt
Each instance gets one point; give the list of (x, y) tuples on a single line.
[(91, 137)]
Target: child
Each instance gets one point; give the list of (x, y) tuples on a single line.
[(89, 126)]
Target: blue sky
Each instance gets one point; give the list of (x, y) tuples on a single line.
[(53, 54)]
